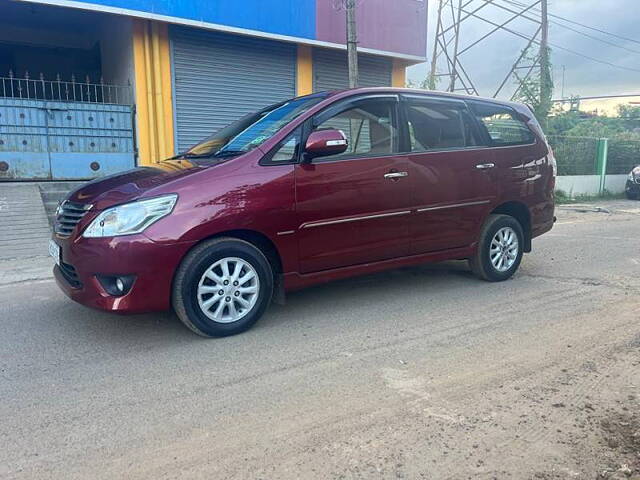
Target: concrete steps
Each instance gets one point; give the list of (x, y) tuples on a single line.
[(24, 229), (26, 216), (53, 193)]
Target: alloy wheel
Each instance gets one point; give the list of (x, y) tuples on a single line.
[(504, 249), (228, 290)]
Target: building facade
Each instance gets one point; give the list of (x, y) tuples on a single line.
[(89, 88)]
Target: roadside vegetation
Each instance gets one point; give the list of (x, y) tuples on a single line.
[(575, 137), (563, 198), (624, 126)]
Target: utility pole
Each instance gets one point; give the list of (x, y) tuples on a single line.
[(545, 83), (352, 43), (545, 70)]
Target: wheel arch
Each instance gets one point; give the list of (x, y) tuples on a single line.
[(521, 213), (259, 240)]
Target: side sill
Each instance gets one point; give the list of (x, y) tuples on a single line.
[(296, 281)]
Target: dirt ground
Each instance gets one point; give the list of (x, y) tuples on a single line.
[(420, 373)]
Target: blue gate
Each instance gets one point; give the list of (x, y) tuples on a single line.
[(53, 132)]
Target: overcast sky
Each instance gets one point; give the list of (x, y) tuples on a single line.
[(488, 62)]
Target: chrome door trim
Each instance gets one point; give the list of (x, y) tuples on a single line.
[(468, 149), (396, 175), (353, 219), (455, 205), (485, 166)]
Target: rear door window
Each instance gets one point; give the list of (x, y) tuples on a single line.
[(502, 124), (439, 125)]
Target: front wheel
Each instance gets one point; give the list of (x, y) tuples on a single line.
[(499, 249), (222, 287)]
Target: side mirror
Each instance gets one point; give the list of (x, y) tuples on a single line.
[(323, 143)]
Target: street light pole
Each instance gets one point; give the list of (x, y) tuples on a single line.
[(352, 43)]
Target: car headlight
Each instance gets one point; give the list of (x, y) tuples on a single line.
[(130, 218), (635, 171)]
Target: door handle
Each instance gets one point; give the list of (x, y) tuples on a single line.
[(396, 175), (485, 166)]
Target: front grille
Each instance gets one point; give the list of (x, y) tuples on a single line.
[(68, 216), (70, 275)]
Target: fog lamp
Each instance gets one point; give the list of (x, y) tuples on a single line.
[(116, 285)]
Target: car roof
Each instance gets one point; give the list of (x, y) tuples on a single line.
[(415, 91)]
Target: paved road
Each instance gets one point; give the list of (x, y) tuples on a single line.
[(418, 373)]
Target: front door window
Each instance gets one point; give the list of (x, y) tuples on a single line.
[(370, 128)]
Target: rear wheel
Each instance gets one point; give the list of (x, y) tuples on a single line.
[(499, 249), (222, 287)]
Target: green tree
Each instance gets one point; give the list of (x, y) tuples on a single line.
[(428, 83), (531, 90), (629, 116), (599, 127), (559, 124)]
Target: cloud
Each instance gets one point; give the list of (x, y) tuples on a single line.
[(488, 62)]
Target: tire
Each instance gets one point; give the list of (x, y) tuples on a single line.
[(481, 263), (212, 308), (631, 195)]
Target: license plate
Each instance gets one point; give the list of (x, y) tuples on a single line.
[(54, 251)]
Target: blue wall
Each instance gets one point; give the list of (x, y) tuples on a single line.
[(296, 18)]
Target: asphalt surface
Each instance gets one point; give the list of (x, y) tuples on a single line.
[(417, 373)]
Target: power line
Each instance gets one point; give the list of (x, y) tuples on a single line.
[(593, 37), (597, 39), (453, 13), (593, 59), (564, 19), (602, 97), (559, 47)]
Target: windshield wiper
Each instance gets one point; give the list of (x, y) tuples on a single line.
[(187, 155), (228, 153), (218, 154)]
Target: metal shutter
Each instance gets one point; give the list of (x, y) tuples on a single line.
[(331, 72), (219, 77)]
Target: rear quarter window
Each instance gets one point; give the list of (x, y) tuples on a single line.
[(502, 125)]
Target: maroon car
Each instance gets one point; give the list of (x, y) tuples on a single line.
[(310, 190)]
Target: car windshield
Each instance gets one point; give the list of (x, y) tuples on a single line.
[(252, 130)]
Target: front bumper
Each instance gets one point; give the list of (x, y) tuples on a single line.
[(633, 188), (153, 265)]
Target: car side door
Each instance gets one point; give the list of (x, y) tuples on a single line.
[(354, 208), (519, 156), (454, 184)]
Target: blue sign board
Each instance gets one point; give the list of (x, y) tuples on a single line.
[(295, 18)]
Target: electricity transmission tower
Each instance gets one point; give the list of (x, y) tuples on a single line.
[(530, 71)]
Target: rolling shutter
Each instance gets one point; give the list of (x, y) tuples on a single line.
[(331, 71), (219, 77)]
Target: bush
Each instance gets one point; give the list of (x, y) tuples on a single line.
[(575, 155), (623, 155)]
